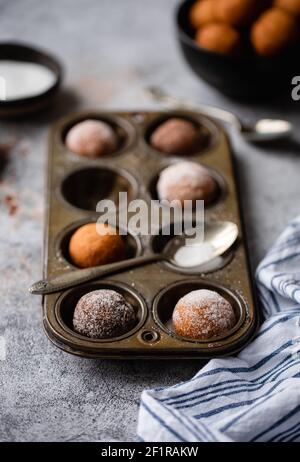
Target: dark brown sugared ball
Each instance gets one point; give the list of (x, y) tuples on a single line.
[(177, 136), (103, 314)]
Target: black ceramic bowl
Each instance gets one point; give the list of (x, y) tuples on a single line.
[(16, 51), (244, 77)]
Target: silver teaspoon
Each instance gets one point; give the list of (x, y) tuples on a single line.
[(218, 238), (263, 130)]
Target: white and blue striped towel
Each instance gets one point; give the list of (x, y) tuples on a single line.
[(254, 396)]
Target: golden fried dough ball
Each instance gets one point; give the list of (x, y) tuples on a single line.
[(221, 38), (96, 244), (291, 6), (202, 12), (203, 314), (238, 12), (273, 32)]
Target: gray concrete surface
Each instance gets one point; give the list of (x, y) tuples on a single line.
[(110, 49)]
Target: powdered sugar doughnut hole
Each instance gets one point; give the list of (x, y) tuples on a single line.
[(166, 300)]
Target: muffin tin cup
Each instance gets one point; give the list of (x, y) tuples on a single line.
[(209, 129), (84, 187), (153, 289), (166, 300), (132, 243), (126, 133), (65, 305)]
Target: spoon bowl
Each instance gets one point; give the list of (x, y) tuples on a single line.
[(193, 253), (268, 130)]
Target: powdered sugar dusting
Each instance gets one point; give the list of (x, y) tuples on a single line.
[(103, 314), (203, 314), (185, 180), (91, 138), (195, 254)]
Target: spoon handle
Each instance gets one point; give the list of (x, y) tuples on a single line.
[(76, 277)]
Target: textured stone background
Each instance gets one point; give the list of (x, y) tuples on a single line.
[(110, 49)]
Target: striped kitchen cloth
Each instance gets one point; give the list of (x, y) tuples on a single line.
[(254, 396)]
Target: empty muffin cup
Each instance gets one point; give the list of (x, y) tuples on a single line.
[(166, 300), (65, 306), (85, 187), (133, 246)]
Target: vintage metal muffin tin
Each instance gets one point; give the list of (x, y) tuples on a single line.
[(74, 187)]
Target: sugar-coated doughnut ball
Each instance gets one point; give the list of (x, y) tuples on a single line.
[(220, 38), (96, 244), (177, 136), (103, 314), (186, 181), (291, 6), (203, 12), (92, 138), (203, 314), (273, 32), (238, 12)]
